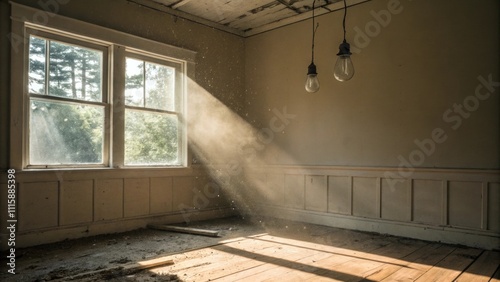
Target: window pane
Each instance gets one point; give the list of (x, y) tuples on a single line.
[(62, 133), (37, 65), (151, 138), (134, 83), (160, 87), (75, 72)]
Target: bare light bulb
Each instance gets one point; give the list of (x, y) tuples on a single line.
[(344, 69), (312, 81)]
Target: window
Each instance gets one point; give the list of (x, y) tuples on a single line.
[(67, 102), (94, 97), (152, 112)]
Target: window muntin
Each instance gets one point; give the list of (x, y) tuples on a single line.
[(67, 102), (153, 108)]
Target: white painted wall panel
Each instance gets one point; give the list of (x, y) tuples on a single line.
[(108, 199), (136, 197), (276, 184), (339, 194), (428, 201), (494, 206), (316, 194), (160, 194), (38, 205), (76, 202), (294, 191), (182, 194), (396, 200), (366, 197), (464, 204)]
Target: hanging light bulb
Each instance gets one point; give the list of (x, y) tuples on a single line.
[(312, 81), (344, 69)]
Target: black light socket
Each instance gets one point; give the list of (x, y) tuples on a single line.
[(311, 69)]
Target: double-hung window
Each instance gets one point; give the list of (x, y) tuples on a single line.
[(84, 96), (153, 108), (68, 102)]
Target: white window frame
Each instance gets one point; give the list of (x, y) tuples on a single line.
[(118, 45), (180, 101), (105, 100)]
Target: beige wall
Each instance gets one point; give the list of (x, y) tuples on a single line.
[(412, 71), (348, 156)]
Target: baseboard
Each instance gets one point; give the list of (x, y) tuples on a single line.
[(485, 240)]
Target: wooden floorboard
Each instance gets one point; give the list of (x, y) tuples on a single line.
[(496, 276), (481, 269), (414, 269), (319, 263), (451, 266), (343, 256), (399, 264)]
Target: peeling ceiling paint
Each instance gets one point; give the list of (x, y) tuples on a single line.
[(245, 17)]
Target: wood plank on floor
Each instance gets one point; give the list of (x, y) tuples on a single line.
[(372, 258), (282, 262), (244, 259), (303, 267), (307, 255), (371, 262), (368, 257), (482, 269), (400, 263), (194, 261), (417, 268), (451, 266), (496, 276), (284, 258)]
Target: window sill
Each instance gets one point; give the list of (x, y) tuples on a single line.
[(68, 174)]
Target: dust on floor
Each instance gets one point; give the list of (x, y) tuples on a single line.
[(58, 261), (109, 253)]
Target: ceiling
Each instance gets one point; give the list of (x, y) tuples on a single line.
[(245, 17)]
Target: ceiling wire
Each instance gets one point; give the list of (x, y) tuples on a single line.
[(315, 27), (345, 13)]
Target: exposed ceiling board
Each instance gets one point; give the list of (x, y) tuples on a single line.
[(224, 14), (167, 2), (180, 3), (306, 5), (245, 17), (262, 18), (300, 17)]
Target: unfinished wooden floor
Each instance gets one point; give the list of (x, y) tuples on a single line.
[(323, 255), (257, 250)]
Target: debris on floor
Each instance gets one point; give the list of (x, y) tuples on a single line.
[(120, 271), (112, 252), (187, 230)]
